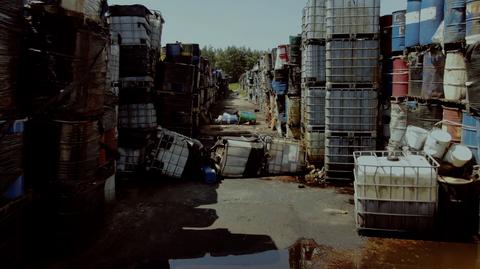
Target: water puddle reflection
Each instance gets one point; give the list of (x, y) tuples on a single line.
[(376, 253)]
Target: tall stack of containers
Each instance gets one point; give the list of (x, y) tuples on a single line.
[(178, 94), (294, 88), (11, 128), (139, 32), (386, 31), (431, 16), (63, 87), (266, 85), (352, 73), (280, 88), (313, 81), (412, 23)]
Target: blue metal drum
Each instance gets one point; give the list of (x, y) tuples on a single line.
[(454, 20), (470, 133), (398, 31), (412, 23), (431, 17)]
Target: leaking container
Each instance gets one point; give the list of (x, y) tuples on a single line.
[(315, 145)]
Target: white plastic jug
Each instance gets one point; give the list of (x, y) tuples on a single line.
[(416, 137), (458, 155), (437, 143)]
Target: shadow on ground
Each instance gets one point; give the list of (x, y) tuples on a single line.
[(153, 223)]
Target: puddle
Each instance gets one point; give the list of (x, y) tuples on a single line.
[(264, 260), (376, 253)]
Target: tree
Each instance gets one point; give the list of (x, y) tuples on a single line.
[(232, 60)]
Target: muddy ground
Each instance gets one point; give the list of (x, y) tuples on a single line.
[(263, 223)]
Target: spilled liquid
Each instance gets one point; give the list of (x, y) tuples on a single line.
[(376, 253)]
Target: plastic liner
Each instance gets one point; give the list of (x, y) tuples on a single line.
[(64, 65), (11, 152), (10, 37), (433, 70), (473, 70)]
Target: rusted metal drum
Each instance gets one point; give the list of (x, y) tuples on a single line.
[(452, 123), (400, 77)]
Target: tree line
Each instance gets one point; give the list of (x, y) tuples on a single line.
[(232, 60)]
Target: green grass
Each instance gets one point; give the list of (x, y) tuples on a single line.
[(234, 87)]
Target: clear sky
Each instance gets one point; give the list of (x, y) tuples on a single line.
[(259, 24)]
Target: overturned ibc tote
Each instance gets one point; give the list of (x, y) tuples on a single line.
[(240, 157), (174, 155)]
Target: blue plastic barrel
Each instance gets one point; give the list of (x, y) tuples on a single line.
[(280, 87), (209, 175), (470, 134), (431, 17), (173, 50), (16, 190), (412, 23), (398, 30), (454, 20), (473, 22)]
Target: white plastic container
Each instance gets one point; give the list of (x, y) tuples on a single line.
[(416, 137), (395, 194), (455, 76), (437, 143), (285, 157), (171, 153), (240, 158), (398, 123), (458, 155)]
